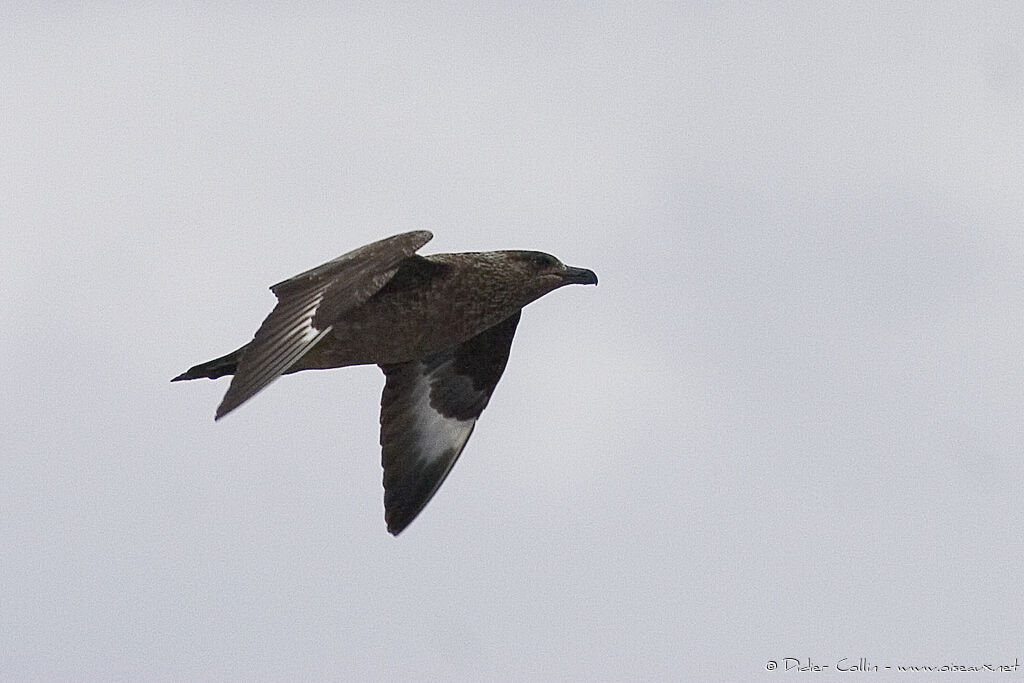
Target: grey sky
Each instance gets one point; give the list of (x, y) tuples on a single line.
[(788, 422)]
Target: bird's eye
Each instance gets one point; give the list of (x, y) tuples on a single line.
[(542, 260)]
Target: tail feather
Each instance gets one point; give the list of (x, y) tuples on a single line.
[(218, 367)]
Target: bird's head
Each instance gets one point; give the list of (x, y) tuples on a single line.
[(536, 273)]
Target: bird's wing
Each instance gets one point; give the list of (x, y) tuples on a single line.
[(427, 412), (307, 307)]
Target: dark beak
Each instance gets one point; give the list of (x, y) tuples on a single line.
[(579, 276)]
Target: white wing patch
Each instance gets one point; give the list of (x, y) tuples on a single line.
[(436, 435)]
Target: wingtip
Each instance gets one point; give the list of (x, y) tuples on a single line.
[(397, 523), (227, 404), (419, 236)]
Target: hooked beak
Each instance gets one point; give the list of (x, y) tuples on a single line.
[(579, 276)]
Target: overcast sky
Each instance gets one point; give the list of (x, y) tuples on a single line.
[(788, 423)]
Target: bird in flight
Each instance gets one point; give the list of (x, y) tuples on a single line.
[(439, 326)]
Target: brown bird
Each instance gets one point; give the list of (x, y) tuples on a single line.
[(440, 327)]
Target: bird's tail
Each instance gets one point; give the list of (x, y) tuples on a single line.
[(218, 367)]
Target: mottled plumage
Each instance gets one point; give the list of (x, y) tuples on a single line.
[(440, 327)]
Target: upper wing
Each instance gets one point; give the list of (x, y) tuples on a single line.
[(307, 306), (427, 412)]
